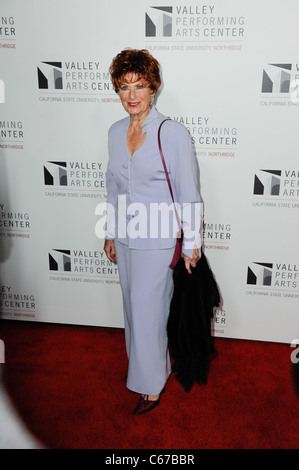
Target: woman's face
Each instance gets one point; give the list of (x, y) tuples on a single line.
[(135, 95)]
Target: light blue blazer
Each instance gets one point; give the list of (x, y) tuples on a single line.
[(137, 189)]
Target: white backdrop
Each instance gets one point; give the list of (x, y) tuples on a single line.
[(230, 74)]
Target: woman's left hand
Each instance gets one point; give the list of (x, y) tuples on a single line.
[(191, 261)]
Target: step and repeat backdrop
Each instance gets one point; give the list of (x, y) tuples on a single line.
[(230, 74)]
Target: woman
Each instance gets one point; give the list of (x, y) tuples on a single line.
[(137, 186)]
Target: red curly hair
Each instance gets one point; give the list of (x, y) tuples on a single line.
[(140, 62)]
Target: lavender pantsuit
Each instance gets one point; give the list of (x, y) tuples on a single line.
[(143, 250), (146, 283)]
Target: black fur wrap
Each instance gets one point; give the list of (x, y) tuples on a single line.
[(189, 325)]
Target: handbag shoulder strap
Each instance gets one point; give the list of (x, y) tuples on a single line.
[(162, 157), (166, 172)]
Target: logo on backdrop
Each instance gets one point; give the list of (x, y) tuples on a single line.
[(280, 84), (74, 81), (11, 133), (158, 22), (267, 182), (217, 236), (276, 188), (220, 321), (90, 266), (8, 33), (278, 279), (50, 76), (55, 173), (74, 179), (16, 304), (60, 260), (209, 138), (13, 223), (276, 78), (260, 274), (192, 27)]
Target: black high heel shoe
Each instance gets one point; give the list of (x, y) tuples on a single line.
[(144, 404)]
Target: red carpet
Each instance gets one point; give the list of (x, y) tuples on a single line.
[(67, 383)]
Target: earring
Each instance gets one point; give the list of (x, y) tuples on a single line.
[(152, 98)]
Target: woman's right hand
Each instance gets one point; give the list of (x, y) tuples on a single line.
[(109, 248), (191, 261)]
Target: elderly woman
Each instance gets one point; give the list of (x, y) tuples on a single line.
[(138, 237)]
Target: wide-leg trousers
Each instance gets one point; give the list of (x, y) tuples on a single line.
[(147, 284)]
